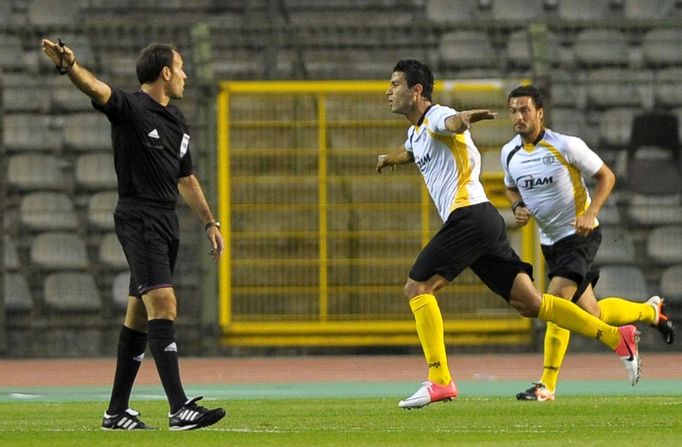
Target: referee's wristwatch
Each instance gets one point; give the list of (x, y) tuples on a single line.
[(212, 224)]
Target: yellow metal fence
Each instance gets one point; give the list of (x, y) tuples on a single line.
[(318, 244)]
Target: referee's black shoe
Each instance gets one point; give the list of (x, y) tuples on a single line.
[(192, 416), (125, 420)]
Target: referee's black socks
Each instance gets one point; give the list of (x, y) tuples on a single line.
[(131, 346), (161, 338)]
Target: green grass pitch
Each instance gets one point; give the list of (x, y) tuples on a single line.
[(469, 421)]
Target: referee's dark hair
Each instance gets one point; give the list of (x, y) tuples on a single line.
[(528, 90), (151, 61), (416, 73)]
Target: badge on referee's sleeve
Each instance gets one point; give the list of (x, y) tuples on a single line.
[(184, 145)]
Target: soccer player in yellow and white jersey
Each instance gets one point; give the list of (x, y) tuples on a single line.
[(544, 178), (473, 234)]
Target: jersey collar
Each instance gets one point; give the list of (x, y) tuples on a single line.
[(531, 146)]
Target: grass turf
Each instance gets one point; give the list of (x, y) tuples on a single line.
[(479, 421)]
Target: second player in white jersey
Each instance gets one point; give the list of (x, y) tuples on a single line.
[(549, 175)]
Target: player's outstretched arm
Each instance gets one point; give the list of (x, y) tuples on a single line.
[(399, 157), (65, 60), (462, 121)]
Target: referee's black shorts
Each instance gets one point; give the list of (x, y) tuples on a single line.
[(149, 237), (572, 258), (476, 237)]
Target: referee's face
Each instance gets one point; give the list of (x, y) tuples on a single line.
[(176, 84)]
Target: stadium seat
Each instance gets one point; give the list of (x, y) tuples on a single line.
[(101, 207), (649, 9), (664, 245), (656, 128), (29, 172), (96, 171), (653, 170), (87, 131), (565, 90), (615, 127), (58, 250), (11, 258), (64, 98), (17, 294), (568, 121), (519, 49), (661, 47), (31, 132), (449, 11), (667, 90), (671, 284), (48, 211), (601, 47), (53, 12), (24, 93), (120, 290), (617, 246), (71, 292), (11, 53), (609, 215), (612, 87), (111, 254), (466, 49), (626, 281), (582, 9), (526, 10), (5, 13), (646, 210)]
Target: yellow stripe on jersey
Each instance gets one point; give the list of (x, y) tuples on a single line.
[(579, 192), (458, 147)]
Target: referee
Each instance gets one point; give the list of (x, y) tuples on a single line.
[(153, 164)]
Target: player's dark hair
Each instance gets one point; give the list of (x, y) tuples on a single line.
[(151, 61), (531, 91), (416, 73)]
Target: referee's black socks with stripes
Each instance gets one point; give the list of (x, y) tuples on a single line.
[(161, 339), (131, 346)]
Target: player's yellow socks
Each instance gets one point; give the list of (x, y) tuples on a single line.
[(430, 330), (569, 316), (556, 343), (618, 311)]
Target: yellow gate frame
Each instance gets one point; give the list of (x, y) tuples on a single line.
[(508, 331)]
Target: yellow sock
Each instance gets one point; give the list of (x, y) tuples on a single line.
[(556, 343), (569, 316), (618, 311), (430, 330)]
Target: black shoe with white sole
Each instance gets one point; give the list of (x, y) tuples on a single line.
[(125, 420), (192, 416)]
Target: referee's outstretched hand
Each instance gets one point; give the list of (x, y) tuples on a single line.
[(60, 55)]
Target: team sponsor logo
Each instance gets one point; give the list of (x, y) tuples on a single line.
[(422, 161), (530, 182)]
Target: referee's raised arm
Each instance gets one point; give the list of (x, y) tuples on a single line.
[(66, 64)]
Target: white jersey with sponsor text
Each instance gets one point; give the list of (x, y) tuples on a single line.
[(549, 177), (450, 163)]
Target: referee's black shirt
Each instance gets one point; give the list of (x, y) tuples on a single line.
[(151, 148)]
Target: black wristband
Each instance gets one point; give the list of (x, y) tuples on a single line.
[(212, 224), (517, 204)]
